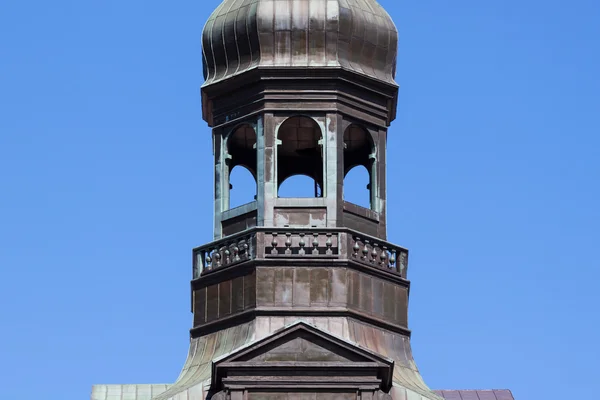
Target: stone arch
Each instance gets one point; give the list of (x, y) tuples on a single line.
[(241, 147), (359, 151), (242, 186), (300, 152), (357, 186), (241, 155)]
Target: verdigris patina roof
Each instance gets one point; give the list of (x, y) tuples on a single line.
[(355, 35)]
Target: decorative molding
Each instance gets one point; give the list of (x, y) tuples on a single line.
[(301, 356), (331, 312)]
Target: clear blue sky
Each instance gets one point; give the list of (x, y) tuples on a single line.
[(105, 187)]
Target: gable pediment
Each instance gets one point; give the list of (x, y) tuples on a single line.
[(301, 346), (302, 352)]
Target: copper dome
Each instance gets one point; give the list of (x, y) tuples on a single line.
[(355, 35)]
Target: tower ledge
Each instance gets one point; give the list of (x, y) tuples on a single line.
[(273, 89)]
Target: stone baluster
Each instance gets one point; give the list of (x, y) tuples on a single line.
[(227, 254), (374, 253), (365, 250), (356, 247), (216, 258), (302, 243), (328, 245), (315, 244), (236, 253), (274, 244), (393, 259), (384, 257)]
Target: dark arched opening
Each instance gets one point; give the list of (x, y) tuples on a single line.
[(359, 151), (300, 153), (241, 162)]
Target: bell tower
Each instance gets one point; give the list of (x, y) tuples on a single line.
[(299, 88), (294, 131), (315, 123), (297, 297), (302, 87)]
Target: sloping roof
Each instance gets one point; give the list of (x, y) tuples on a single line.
[(127, 392), (501, 394), (146, 392), (195, 377)]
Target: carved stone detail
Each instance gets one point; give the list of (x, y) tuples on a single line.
[(223, 253), (297, 357), (295, 243)]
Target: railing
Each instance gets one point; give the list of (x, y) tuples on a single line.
[(378, 253), (225, 252), (300, 243)]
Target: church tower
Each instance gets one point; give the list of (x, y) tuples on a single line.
[(297, 298), (302, 87)]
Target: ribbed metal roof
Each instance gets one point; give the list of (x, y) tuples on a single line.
[(194, 380), (502, 394), (356, 35)]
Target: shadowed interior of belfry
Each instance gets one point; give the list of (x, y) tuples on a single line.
[(299, 294)]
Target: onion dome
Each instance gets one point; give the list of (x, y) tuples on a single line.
[(354, 35)]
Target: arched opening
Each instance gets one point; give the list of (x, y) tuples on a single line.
[(359, 151), (356, 186), (300, 153), (242, 186), (241, 162), (299, 186)]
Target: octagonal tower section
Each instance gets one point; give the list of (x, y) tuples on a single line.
[(300, 95)]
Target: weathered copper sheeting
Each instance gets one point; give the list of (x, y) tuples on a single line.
[(196, 374), (356, 35), (194, 379), (127, 392)]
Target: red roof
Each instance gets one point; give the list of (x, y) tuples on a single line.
[(475, 394)]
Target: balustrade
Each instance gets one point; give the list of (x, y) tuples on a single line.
[(306, 243), (379, 254), (301, 244), (224, 253)]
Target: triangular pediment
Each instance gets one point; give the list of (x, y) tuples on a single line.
[(301, 349)]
